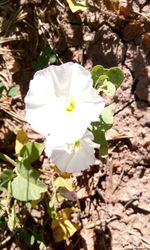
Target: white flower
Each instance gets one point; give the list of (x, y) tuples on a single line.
[(61, 98), (71, 157)]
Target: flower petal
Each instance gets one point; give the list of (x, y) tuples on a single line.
[(50, 92), (67, 157)]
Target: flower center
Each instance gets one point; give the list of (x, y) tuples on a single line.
[(77, 144), (71, 106)]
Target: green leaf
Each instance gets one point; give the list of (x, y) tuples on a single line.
[(23, 234), (5, 178), (97, 134), (26, 186), (7, 159), (2, 221), (106, 115), (2, 86), (35, 65), (32, 239), (12, 218), (102, 77), (52, 58), (96, 72), (31, 151), (108, 88), (12, 91), (45, 57), (46, 51), (42, 61), (98, 129), (115, 76), (99, 138), (103, 152), (36, 202)]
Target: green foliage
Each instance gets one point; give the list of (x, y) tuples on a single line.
[(106, 118), (30, 236), (7, 159), (5, 178), (2, 85), (98, 129), (27, 236), (99, 138), (103, 151), (23, 181), (107, 80), (26, 186), (46, 56), (31, 151), (115, 75), (12, 91), (12, 217), (98, 72), (2, 222), (108, 88)]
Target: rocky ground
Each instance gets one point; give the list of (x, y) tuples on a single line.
[(114, 194)]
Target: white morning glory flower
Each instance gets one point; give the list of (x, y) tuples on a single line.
[(61, 98), (71, 157)]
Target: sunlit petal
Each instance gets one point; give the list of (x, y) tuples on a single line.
[(73, 157), (61, 98)]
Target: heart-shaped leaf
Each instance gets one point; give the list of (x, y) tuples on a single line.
[(31, 151), (21, 140), (108, 88), (106, 117), (26, 186), (5, 178)]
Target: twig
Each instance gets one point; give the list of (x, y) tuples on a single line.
[(45, 172), (9, 39), (118, 184), (11, 113), (141, 14), (60, 4), (5, 242), (142, 238), (130, 201), (125, 106), (6, 78), (3, 50)]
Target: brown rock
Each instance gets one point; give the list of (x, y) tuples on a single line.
[(146, 40), (131, 30)]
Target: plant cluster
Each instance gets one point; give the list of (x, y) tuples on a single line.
[(54, 95)]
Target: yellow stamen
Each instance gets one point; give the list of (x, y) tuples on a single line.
[(71, 106), (77, 144)]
